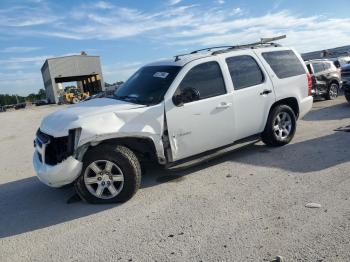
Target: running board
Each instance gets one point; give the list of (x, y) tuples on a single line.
[(209, 155)]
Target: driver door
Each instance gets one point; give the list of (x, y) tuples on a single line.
[(205, 123)]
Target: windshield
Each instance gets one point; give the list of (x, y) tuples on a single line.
[(148, 85)]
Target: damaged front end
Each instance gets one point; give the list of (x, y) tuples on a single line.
[(53, 159)]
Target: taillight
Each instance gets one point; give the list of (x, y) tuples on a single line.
[(309, 84)]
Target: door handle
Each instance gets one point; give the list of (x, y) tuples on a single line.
[(224, 105), (266, 92)]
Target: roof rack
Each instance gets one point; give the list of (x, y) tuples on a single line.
[(264, 42), (177, 57)]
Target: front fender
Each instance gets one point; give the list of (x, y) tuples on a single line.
[(98, 139)]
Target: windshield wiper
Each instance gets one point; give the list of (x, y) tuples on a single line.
[(130, 99)]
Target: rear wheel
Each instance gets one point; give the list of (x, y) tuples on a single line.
[(332, 91), (110, 174), (280, 127)]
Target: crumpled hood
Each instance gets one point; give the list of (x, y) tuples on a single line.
[(58, 123)]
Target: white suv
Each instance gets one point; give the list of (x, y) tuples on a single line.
[(172, 111)]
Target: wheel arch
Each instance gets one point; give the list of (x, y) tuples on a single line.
[(334, 80), (143, 147), (292, 102)]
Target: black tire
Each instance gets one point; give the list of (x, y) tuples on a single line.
[(347, 96), (332, 92), (269, 136), (75, 100), (128, 163)]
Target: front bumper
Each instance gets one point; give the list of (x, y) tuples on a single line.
[(59, 175)]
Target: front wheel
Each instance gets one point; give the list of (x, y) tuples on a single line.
[(110, 174), (280, 127), (332, 91)]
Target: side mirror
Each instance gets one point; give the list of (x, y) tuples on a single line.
[(187, 95), (177, 100)]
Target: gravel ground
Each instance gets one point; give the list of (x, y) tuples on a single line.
[(248, 205)]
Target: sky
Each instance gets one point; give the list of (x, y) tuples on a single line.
[(128, 34)]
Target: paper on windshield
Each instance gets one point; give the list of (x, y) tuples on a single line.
[(161, 74)]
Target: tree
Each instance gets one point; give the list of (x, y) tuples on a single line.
[(42, 94), (6, 99)]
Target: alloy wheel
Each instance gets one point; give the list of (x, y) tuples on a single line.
[(104, 179), (282, 126), (333, 91)]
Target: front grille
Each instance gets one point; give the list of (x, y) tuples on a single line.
[(57, 149), (44, 138)]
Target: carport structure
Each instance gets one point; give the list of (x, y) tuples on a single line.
[(83, 69)]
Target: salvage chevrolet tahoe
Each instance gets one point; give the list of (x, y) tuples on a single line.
[(170, 112)]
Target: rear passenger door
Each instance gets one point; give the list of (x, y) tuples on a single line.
[(253, 94)]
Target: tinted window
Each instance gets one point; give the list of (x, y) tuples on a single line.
[(327, 66), (318, 67), (284, 63), (244, 71), (206, 78), (148, 85), (337, 64)]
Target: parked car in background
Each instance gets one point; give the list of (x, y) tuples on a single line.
[(170, 112), (41, 102), (326, 78), (20, 106), (345, 75)]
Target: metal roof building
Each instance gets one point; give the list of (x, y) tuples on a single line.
[(329, 53), (83, 69)]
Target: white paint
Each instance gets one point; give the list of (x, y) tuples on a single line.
[(193, 128)]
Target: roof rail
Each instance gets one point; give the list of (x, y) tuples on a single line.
[(263, 42), (177, 57)]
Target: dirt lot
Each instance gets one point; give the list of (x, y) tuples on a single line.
[(246, 206)]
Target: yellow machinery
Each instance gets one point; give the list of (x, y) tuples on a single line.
[(74, 95)]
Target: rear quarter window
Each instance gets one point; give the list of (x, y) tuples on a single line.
[(318, 67), (284, 63)]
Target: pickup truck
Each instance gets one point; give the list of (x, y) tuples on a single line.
[(170, 112)]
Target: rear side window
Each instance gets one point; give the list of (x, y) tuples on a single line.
[(327, 66), (206, 78), (284, 63), (318, 67), (244, 71)]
